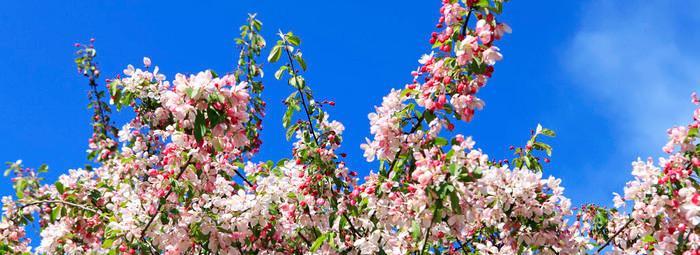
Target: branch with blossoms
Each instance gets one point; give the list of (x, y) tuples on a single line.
[(659, 211), (160, 204), (178, 178), (40, 202), (252, 43), (102, 144)]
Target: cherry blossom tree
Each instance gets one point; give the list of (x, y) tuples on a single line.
[(179, 178)]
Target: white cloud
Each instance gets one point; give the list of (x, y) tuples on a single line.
[(634, 59)]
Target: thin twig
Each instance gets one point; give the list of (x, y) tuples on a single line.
[(420, 120), (619, 231), (464, 26), (304, 238), (413, 130), (98, 104), (160, 205), (427, 231), (308, 117), (82, 207), (352, 227), (243, 177), (301, 93)]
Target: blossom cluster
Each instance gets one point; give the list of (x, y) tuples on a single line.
[(659, 211), (446, 81), (178, 178)]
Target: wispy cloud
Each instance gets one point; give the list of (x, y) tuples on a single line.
[(638, 61)]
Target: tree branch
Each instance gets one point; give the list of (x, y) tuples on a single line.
[(243, 177), (82, 207), (614, 236), (464, 26), (301, 93), (420, 120), (413, 130), (427, 231), (160, 205), (308, 117), (98, 103)]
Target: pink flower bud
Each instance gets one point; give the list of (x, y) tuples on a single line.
[(152, 210)]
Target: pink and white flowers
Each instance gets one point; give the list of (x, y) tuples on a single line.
[(178, 178)]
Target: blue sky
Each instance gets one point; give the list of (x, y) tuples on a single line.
[(608, 76)]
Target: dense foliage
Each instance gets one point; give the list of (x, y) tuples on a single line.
[(178, 178)]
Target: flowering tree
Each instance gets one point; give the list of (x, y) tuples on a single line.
[(178, 177)]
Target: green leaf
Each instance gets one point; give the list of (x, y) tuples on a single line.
[(454, 202), (200, 126), (499, 7), (297, 82), (107, 243), (287, 118), (301, 61), (55, 214), (483, 4), (164, 218), (453, 169), (429, 116), (601, 219), (331, 240), (257, 24), (281, 71), (415, 230), (215, 117), (189, 91), (290, 131), (59, 187), (527, 162), (275, 54), (293, 39), (543, 146), (518, 162), (19, 188), (548, 132), (319, 241), (439, 141)]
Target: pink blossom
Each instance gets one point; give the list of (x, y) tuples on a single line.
[(484, 31), (452, 13), (491, 55)]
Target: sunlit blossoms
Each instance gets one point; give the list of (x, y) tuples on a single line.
[(386, 127), (179, 177), (660, 210)]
